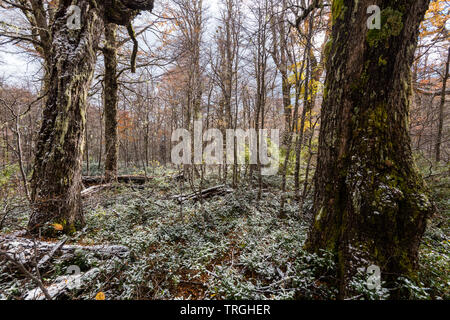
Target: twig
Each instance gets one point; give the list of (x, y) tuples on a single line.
[(48, 256), (27, 273)]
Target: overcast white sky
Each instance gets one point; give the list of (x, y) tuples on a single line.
[(16, 66)]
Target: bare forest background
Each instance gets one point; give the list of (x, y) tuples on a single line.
[(231, 64)]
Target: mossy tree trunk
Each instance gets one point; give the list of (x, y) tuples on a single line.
[(56, 181), (370, 203), (110, 102)]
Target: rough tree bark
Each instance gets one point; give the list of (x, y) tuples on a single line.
[(56, 182), (110, 103), (441, 108), (370, 203)]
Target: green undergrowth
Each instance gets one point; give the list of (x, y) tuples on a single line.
[(228, 247)]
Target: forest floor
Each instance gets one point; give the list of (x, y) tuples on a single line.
[(228, 247)]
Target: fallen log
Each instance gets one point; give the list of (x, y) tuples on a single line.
[(204, 194), (28, 274), (26, 250), (63, 284), (24, 254), (94, 189), (98, 180)]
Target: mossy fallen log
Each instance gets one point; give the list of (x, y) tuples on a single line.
[(219, 190), (97, 180)]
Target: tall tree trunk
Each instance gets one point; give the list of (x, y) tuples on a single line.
[(306, 106), (56, 182), (88, 170), (111, 102), (370, 202), (100, 138), (441, 109)]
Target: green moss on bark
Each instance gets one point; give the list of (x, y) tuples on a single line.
[(391, 26), (338, 10)]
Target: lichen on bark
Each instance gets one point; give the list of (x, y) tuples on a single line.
[(370, 203), (56, 181)]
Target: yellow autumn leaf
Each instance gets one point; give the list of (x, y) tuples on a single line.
[(100, 296), (58, 227)]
